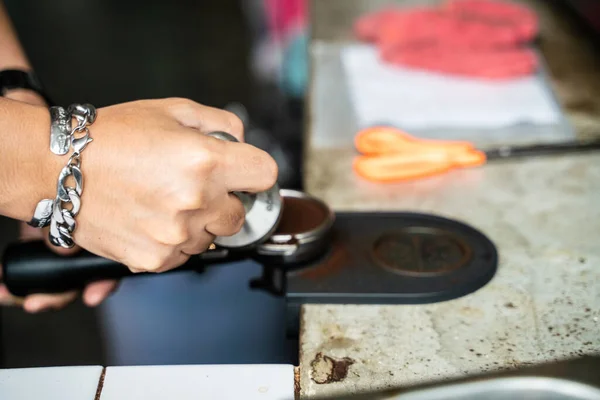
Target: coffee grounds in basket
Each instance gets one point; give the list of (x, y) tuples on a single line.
[(300, 215)]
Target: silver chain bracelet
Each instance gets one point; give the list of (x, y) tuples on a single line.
[(57, 212)]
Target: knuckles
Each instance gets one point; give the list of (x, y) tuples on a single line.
[(154, 260), (175, 235), (181, 104), (201, 161), (154, 264), (235, 125), (147, 263), (188, 190), (191, 198)]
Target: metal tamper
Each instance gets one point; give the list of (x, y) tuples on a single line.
[(263, 212)]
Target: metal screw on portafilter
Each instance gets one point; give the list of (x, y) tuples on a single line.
[(263, 211)]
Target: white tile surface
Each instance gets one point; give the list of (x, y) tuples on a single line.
[(193, 382), (54, 383)]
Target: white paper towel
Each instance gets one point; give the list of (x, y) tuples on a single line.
[(412, 99)]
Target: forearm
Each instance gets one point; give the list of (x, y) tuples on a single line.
[(12, 56), (11, 52), (27, 169)]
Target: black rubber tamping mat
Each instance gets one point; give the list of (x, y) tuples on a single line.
[(396, 258)]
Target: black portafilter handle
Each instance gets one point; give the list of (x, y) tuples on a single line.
[(31, 267)]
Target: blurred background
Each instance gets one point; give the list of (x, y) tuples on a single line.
[(247, 55)]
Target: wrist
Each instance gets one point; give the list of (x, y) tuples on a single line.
[(44, 166), (32, 168)]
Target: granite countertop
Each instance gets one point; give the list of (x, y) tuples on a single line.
[(543, 214)]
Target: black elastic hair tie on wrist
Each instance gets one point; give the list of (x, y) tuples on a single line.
[(11, 79)]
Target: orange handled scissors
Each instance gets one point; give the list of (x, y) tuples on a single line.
[(390, 154)]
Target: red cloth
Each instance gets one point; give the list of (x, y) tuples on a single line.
[(485, 64), (479, 38), (519, 18)]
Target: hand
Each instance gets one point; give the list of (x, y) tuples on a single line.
[(157, 189), (93, 294)]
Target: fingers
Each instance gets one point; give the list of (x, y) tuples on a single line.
[(200, 239), (230, 218), (208, 119), (7, 299), (38, 302), (245, 168), (41, 302), (95, 293)]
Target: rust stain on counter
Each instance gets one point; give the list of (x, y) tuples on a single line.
[(296, 383), (326, 369)]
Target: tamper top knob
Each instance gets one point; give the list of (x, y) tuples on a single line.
[(263, 211)]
